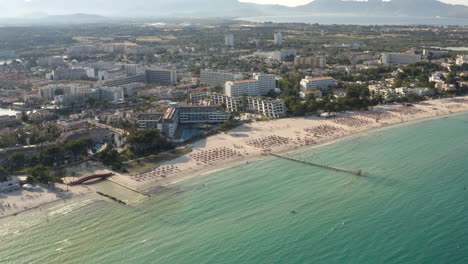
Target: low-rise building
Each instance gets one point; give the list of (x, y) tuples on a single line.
[(387, 92), (355, 58), (400, 58), (434, 53), (111, 94), (72, 74), (461, 59), (70, 102), (50, 91), (316, 62), (279, 55), (51, 61), (405, 91), (316, 93)]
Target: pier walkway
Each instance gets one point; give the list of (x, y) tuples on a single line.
[(355, 172), (92, 177)]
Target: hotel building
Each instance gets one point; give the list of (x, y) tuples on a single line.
[(322, 83), (218, 78)]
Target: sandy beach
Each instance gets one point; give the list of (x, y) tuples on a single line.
[(23, 200), (244, 144), (253, 141)]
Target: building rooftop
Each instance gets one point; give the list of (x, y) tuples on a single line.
[(244, 81), (318, 78), (170, 113), (312, 92)]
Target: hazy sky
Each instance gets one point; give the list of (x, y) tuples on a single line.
[(301, 2)]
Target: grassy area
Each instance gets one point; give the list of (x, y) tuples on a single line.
[(148, 163)]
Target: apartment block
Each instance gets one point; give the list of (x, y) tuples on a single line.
[(266, 82), (317, 62), (241, 88), (278, 39), (161, 76), (323, 84), (218, 78), (400, 58), (229, 40)]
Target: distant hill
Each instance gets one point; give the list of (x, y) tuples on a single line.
[(44, 19), (414, 8), (231, 8), (128, 8)]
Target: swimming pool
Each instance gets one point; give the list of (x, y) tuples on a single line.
[(188, 133)]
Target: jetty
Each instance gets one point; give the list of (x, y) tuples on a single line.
[(112, 198), (354, 172), (92, 177)]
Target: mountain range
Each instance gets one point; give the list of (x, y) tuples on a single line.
[(232, 8)]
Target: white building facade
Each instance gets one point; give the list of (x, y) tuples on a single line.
[(400, 58), (218, 78), (241, 88), (323, 84), (278, 38), (229, 40)]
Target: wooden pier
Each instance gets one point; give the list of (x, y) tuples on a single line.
[(355, 172)]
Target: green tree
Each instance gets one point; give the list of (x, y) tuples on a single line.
[(42, 174), (51, 155), (17, 160), (451, 78), (3, 174), (24, 116), (149, 141), (218, 89), (110, 157), (79, 147), (228, 125)]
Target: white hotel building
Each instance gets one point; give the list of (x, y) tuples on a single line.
[(278, 37), (240, 88), (260, 85), (323, 84), (400, 58), (218, 78), (229, 40), (273, 108)]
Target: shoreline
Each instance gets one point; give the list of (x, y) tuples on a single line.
[(37, 198), (229, 164), (234, 164), (189, 168)]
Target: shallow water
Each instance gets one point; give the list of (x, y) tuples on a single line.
[(410, 207)]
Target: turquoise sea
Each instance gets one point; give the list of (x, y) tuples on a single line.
[(410, 207)]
